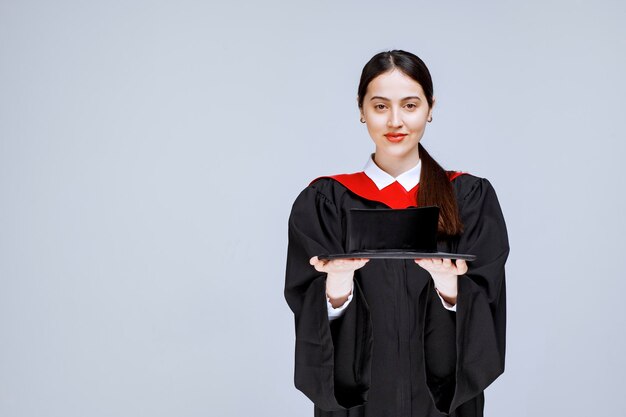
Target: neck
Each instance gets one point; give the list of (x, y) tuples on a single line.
[(396, 165)]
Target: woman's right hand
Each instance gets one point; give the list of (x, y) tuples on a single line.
[(338, 266), (340, 275)]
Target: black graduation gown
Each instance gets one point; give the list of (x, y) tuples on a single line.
[(396, 351)]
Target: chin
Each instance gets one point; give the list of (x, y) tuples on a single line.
[(396, 153), (399, 149)]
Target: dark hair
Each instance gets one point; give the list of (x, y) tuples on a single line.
[(435, 188)]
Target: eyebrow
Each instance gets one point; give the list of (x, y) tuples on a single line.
[(405, 98)]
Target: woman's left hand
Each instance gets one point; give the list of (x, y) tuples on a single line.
[(445, 273)]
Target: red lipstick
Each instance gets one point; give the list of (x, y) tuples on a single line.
[(395, 137)]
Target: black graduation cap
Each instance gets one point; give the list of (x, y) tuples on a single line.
[(393, 234)]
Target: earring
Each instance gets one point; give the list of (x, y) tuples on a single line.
[(430, 119), (362, 120)]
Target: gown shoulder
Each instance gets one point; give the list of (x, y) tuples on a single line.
[(324, 188), (469, 186), (465, 183)]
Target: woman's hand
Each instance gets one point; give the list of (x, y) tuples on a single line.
[(445, 274), (339, 279)]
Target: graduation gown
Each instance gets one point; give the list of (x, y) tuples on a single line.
[(396, 351)]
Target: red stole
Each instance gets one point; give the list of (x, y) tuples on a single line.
[(394, 195)]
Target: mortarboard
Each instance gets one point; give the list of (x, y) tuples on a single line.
[(408, 233)]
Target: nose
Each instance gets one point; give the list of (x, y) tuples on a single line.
[(394, 118)]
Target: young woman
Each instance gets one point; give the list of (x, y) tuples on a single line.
[(389, 337)]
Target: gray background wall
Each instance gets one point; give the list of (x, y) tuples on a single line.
[(150, 153)]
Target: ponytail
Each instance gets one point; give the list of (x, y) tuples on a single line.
[(436, 190)]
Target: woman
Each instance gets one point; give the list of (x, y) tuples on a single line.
[(388, 337)]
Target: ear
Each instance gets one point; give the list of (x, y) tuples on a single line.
[(430, 112)]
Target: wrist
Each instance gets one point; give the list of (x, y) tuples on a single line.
[(339, 285), (447, 288), (450, 300)]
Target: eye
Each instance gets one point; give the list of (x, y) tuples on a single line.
[(411, 106), (379, 106)]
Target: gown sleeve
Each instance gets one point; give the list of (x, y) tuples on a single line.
[(481, 302), (332, 359)]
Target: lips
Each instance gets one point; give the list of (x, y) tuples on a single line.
[(395, 137)]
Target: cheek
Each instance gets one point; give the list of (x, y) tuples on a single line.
[(374, 131), (417, 121), (376, 121)]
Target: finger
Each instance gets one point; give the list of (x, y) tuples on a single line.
[(424, 263), (358, 262), (319, 264), (446, 263), (461, 266), (320, 267), (337, 263)]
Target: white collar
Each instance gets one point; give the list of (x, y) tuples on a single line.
[(408, 179)]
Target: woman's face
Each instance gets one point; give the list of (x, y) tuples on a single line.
[(396, 112)]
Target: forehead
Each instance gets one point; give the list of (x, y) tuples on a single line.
[(394, 84)]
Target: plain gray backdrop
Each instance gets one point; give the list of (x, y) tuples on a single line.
[(150, 152)]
